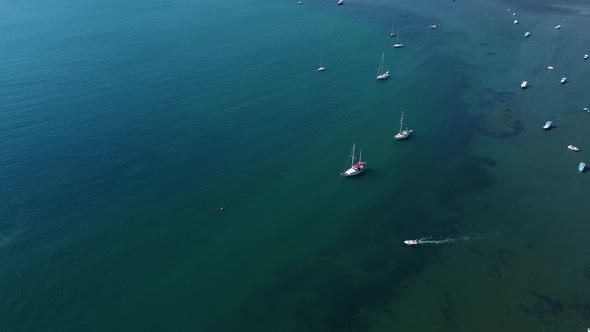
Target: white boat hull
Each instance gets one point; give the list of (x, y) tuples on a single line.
[(352, 172), (398, 45), (403, 134), (547, 125), (412, 242), (383, 77)]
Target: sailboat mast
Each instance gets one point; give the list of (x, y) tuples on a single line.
[(352, 156), (361, 156), (401, 122), (380, 69)]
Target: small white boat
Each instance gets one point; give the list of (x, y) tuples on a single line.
[(340, 2), (515, 22), (550, 67), (321, 68), (357, 168), (524, 84), (412, 242), (585, 56), (299, 2), (547, 125), (573, 148), (585, 109), (381, 75), (392, 33), (581, 167), (434, 26), (558, 26), (527, 34), (403, 133), (563, 80), (513, 14)]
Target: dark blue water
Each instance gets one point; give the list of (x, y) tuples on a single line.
[(126, 126)]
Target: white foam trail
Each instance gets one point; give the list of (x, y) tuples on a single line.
[(464, 238)]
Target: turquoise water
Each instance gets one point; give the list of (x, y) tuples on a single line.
[(126, 126)]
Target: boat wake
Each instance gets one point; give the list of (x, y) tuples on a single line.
[(429, 240), (432, 241)]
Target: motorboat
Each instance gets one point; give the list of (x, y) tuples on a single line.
[(434, 26), (585, 56), (340, 2), (573, 148), (412, 243), (524, 84), (527, 34), (357, 168), (515, 21), (547, 125), (550, 67), (558, 26), (513, 14), (581, 166), (585, 109), (299, 2), (563, 80)]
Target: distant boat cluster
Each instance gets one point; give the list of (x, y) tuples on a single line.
[(383, 73), (549, 124)]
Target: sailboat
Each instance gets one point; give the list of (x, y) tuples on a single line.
[(357, 168), (392, 33), (321, 68), (403, 133), (381, 75), (397, 43)]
